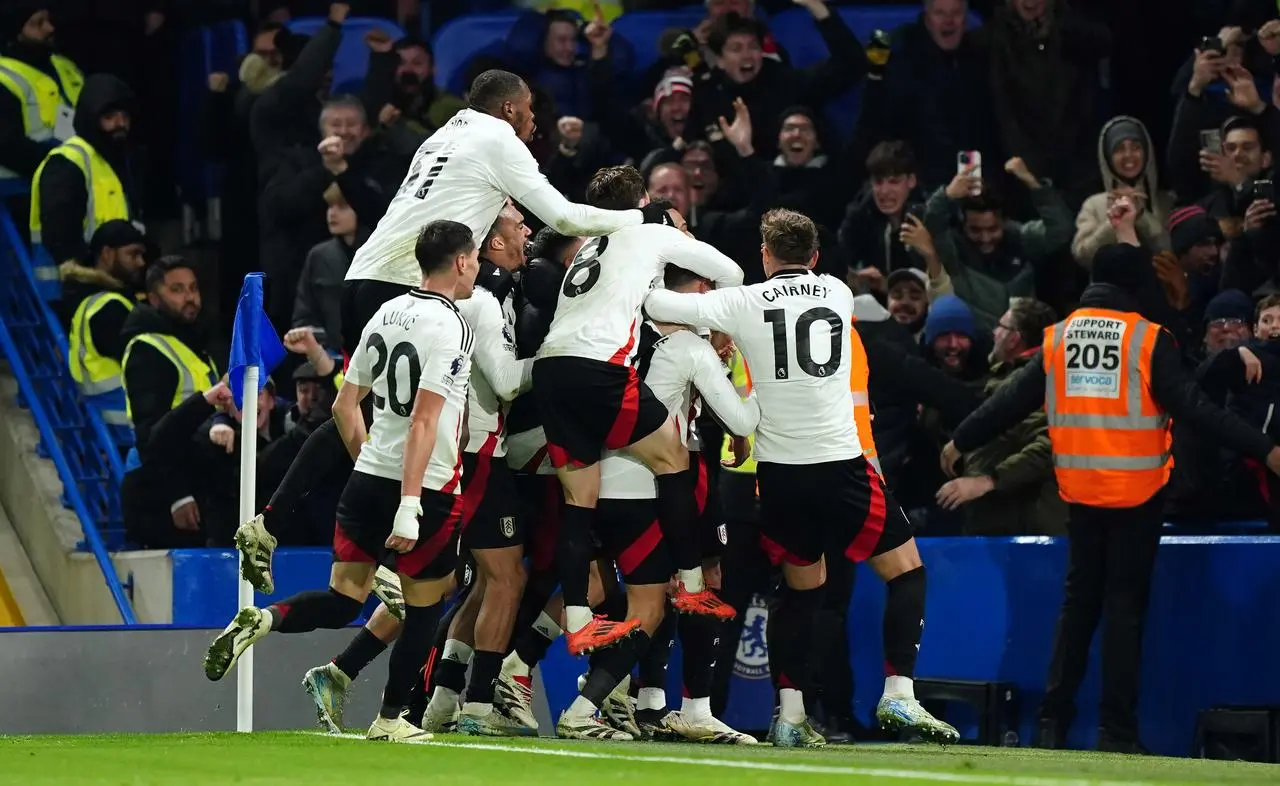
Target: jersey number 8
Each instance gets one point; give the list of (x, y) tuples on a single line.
[(390, 363), (588, 259), (782, 352)]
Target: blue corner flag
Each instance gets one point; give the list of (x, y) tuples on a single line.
[(253, 340)]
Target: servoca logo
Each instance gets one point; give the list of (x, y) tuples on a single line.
[(752, 662)]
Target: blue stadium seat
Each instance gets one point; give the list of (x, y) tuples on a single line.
[(461, 39), (643, 28), (352, 60)]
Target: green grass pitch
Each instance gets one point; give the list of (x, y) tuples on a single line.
[(280, 758)]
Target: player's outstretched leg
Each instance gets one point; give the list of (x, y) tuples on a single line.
[(327, 685), (898, 708), (320, 454), (306, 611)]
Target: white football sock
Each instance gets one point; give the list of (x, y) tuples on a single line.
[(899, 687), (696, 709), (652, 699), (548, 627), (692, 579), (581, 708), (577, 617), (458, 651), (512, 666), (791, 708)]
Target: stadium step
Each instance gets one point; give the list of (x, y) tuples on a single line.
[(994, 703), (1238, 734), (23, 599)]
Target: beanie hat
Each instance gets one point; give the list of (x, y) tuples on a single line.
[(1229, 304), (1121, 266), (14, 15), (1189, 227), (670, 85), (948, 314)]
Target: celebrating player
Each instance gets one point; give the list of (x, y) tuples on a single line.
[(591, 399), (403, 495), (464, 172), (818, 493)]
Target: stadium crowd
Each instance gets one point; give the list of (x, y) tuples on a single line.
[(985, 176)]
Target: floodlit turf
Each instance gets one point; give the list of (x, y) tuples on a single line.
[(280, 758)]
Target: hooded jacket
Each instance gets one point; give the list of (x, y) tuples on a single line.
[(1093, 227), (64, 196), (18, 153), (1172, 387), (319, 299)]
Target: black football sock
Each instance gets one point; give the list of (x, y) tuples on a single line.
[(573, 554), (313, 610), (790, 634), (321, 454), (407, 656), (903, 622), (699, 640), (613, 664), (536, 594), (531, 646), (359, 653), (484, 671), (655, 659), (614, 607), (441, 637), (678, 518)]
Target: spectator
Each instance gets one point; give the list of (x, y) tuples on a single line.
[(869, 234), (811, 180), (1045, 72), (557, 68), (992, 259), (1125, 158), (1007, 486), (1227, 320), (293, 206), (950, 336), (90, 170), (286, 113), (1196, 241), (767, 86), (580, 151), (217, 446), (909, 299), (1250, 260), (41, 88), (319, 300), (98, 300), (934, 95), (401, 83), (716, 9), (166, 361)]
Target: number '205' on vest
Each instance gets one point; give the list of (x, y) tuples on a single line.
[(1111, 440)]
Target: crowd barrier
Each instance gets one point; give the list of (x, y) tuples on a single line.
[(1213, 636)]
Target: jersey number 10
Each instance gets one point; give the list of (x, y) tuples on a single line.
[(390, 363), (777, 317)]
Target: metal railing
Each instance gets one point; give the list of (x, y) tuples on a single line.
[(72, 434)]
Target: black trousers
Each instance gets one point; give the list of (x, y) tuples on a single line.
[(1112, 556)]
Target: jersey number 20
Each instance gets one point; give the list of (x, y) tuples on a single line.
[(777, 318), (390, 363)]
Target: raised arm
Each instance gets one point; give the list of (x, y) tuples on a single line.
[(702, 259), (516, 173), (717, 309), (738, 415)]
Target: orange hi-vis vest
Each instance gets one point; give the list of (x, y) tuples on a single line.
[(1111, 441), (859, 376)]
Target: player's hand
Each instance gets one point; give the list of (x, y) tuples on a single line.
[(949, 458), (219, 396), (218, 82), (914, 235), (301, 340), (404, 527), (964, 184), (333, 154), (955, 493), (722, 344), (187, 517), (224, 437), (741, 452), (738, 133), (1252, 366), (656, 214), (378, 41)]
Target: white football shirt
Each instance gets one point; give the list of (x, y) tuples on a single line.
[(793, 331), (598, 311), (418, 341), (682, 368), (464, 172), (497, 377)]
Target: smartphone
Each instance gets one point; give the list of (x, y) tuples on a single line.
[(1212, 43), (1211, 140), (972, 161), (1263, 189), (916, 210)]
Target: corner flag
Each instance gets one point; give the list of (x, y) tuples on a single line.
[(253, 340)]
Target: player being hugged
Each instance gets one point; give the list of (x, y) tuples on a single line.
[(818, 493), (591, 399), (414, 357)]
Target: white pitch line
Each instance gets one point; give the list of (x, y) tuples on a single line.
[(806, 769)]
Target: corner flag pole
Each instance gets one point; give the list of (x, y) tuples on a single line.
[(248, 495)]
